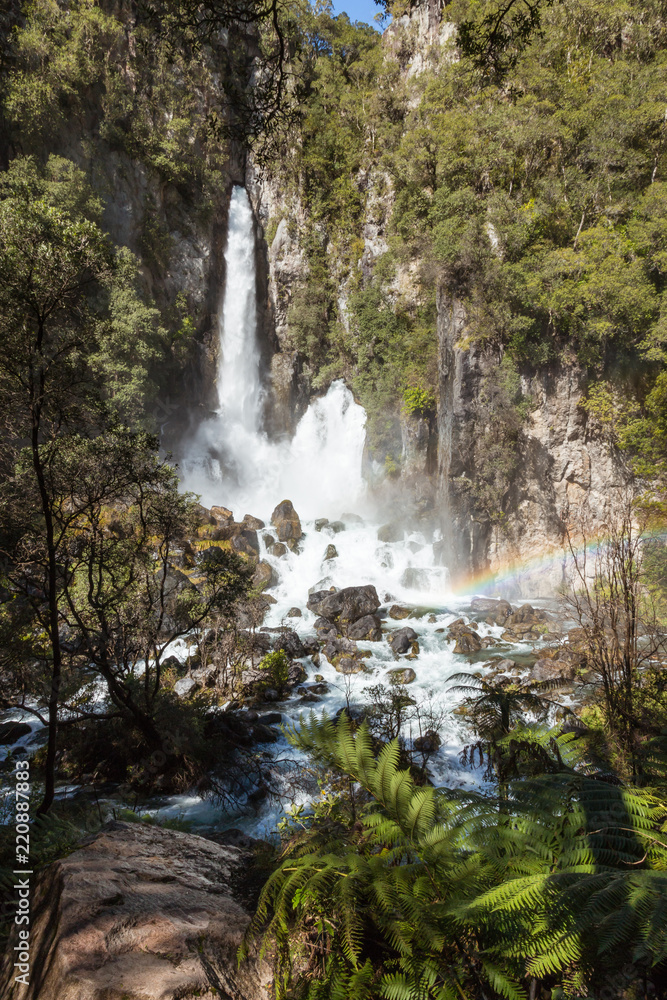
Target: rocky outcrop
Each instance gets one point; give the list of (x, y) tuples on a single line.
[(286, 522), (345, 606), (140, 913), (564, 467)]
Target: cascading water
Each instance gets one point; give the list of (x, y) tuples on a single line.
[(235, 464), (232, 460)]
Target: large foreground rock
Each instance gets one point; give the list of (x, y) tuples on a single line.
[(139, 913), (346, 605)]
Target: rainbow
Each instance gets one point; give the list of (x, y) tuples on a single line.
[(511, 574)]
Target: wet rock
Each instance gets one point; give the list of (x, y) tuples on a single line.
[(503, 665), (346, 605), (336, 526), (321, 522), (428, 743), (432, 619), (290, 642), (526, 615), (286, 522), (391, 532), (293, 545), (222, 515), (325, 628), (351, 518), (547, 669), (269, 540), (348, 665), (254, 523), (278, 549), (246, 541), (264, 576), (467, 641), (331, 552), (401, 640), (270, 694), (143, 913), (294, 613), (369, 627), (398, 613), (489, 604), (402, 675), (10, 732)]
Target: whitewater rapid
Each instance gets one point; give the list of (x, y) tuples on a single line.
[(234, 463)]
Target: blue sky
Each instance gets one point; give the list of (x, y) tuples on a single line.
[(358, 10)]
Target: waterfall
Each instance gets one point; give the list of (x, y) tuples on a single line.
[(238, 370), (232, 461)]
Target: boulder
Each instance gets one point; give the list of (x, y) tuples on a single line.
[(343, 655), (222, 515), (428, 743), (401, 640), (546, 669), (390, 532), (286, 522), (289, 641), (321, 522), (467, 641), (331, 552), (325, 628), (246, 541), (398, 613), (294, 613), (485, 604), (264, 576), (369, 627), (526, 615), (348, 665), (10, 732), (336, 526), (402, 675), (346, 605), (277, 549), (185, 686), (351, 518), (139, 913), (254, 523)]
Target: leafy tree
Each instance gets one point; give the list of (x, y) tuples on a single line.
[(59, 341)]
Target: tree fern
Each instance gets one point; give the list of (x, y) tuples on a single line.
[(437, 894)]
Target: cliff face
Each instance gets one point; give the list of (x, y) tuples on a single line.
[(563, 479), (555, 462)]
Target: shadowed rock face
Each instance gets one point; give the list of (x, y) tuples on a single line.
[(140, 913)]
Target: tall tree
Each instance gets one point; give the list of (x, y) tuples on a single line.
[(59, 341)]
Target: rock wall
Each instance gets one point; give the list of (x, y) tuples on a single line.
[(565, 475), (139, 913)]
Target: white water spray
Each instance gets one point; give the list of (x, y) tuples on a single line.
[(232, 461)]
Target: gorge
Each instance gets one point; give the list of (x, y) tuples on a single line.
[(333, 575)]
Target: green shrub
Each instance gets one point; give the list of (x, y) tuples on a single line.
[(418, 400), (276, 666)]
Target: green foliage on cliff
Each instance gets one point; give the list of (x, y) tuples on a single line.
[(538, 200)]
